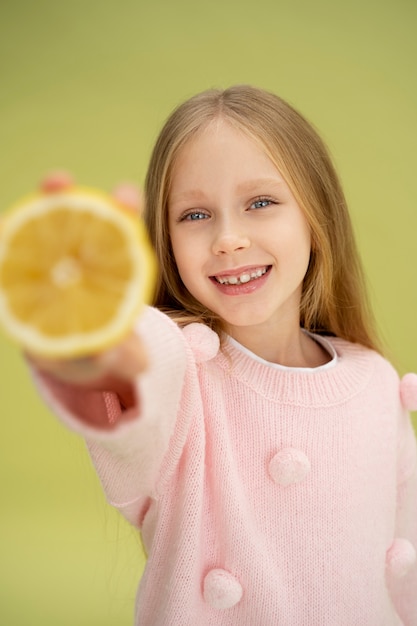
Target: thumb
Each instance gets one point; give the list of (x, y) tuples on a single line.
[(130, 196), (126, 360)]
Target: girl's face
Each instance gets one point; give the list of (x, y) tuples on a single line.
[(240, 240)]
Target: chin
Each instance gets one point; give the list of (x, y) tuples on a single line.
[(245, 321)]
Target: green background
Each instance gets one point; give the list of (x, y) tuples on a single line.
[(85, 85)]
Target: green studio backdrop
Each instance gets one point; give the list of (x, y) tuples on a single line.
[(86, 85)]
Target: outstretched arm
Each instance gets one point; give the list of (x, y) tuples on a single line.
[(123, 401), (114, 370)]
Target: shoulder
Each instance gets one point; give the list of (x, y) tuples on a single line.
[(356, 353), (368, 371), (196, 340), (203, 342), (382, 374)]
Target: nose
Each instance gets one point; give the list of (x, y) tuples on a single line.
[(230, 237)]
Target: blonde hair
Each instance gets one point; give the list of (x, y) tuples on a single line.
[(334, 299)]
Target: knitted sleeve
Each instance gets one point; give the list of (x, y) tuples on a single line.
[(401, 556), (129, 456)]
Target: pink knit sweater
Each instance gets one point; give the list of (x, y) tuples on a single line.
[(265, 496)]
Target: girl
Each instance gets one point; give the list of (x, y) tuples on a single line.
[(257, 439)]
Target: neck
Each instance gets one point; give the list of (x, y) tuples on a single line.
[(288, 347)]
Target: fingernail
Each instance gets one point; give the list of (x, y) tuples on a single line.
[(129, 195), (57, 181)]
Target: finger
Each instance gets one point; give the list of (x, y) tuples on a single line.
[(130, 196), (127, 360), (56, 181), (75, 371)]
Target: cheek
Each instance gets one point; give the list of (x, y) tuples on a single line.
[(294, 238), (185, 262), (302, 257), (302, 236), (298, 251), (189, 252), (180, 251)]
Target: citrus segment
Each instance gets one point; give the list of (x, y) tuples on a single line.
[(75, 268)]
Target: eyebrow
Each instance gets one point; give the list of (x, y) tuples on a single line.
[(249, 186), (254, 185), (194, 195)]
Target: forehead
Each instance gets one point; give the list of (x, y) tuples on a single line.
[(221, 151), (221, 133)]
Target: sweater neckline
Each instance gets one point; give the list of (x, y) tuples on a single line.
[(323, 341), (350, 374)]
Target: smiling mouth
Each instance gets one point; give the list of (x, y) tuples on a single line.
[(241, 279)]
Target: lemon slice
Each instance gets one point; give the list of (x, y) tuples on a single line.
[(75, 270)]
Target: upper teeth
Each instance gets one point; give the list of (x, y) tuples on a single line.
[(243, 278)]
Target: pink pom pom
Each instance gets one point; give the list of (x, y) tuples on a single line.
[(289, 466), (204, 342), (408, 392), (221, 589), (400, 557)]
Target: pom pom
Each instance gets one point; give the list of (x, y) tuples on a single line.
[(204, 342), (289, 466), (221, 589), (400, 557), (408, 392)]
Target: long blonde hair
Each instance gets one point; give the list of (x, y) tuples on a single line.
[(334, 299)]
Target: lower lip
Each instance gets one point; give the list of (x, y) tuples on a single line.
[(244, 288)]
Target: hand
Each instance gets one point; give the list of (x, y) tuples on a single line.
[(125, 361), (114, 369), (126, 193)]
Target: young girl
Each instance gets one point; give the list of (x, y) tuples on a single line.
[(264, 450)]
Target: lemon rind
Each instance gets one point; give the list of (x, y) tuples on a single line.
[(138, 293)]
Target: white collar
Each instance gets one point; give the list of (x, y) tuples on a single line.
[(325, 343)]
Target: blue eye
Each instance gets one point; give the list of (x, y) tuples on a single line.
[(261, 203), (195, 216)]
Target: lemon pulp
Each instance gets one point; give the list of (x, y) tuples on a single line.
[(75, 268)]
